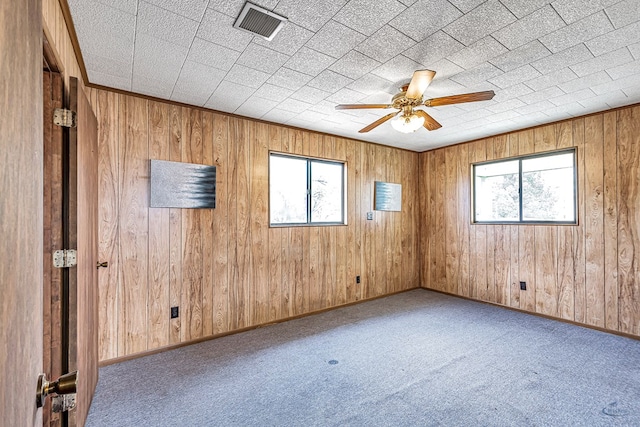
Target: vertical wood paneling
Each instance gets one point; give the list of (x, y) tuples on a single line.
[(248, 273), (587, 272), (368, 258), (191, 299), (514, 241), (208, 239), (502, 239), (565, 253), (526, 244), (106, 106), (260, 225), (393, 223), (327, 241), (133, 227), (300, 241), (360, 217), (175, 228), (546, 269), (220, 250), (490, 231), (275, 244), (594, 220), (463, 220), (408, 233), (379, 245), (243, 241), (546, 241), (424, 225), (235, 133), (628, 219), (341, 254), (611, 293), (289, 294), (440, 272), (579, 294), (452, 250), (479, 249), (159, 298), (316, 286), (353, 215)]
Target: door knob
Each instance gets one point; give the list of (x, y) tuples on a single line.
[(66, 384)]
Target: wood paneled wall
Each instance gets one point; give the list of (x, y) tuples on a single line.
[(226, 268), (589, 273)]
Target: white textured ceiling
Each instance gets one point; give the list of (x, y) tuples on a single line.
[(545, 60)]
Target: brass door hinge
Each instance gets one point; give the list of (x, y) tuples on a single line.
[(64, 118), (65, 258)]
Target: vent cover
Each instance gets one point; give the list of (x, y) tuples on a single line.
[(257, 20)]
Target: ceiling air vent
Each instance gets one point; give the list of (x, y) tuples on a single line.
[(257, 20)]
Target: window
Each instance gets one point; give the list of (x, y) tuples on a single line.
[(305, 191), (531, 189)]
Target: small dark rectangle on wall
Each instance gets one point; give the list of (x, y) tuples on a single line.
[(182, 185)]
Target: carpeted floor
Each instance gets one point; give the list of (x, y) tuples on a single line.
[(413, 359)]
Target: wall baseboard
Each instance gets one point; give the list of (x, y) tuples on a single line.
[(546, 316), (115, 360)]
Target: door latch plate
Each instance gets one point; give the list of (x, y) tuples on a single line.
[(63, 403)]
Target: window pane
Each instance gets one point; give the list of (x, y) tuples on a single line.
[(548, 188), (496, 191), (287, 190), (326, 192)]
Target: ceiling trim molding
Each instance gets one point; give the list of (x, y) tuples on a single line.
[(224, 113), (237, 116), (68, 20), (610, 110)]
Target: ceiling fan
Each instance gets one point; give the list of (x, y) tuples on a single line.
[(407, 101)]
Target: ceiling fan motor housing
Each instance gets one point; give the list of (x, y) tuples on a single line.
[(400, 101)]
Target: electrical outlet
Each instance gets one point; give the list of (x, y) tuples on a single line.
[(523, 286), (369, 216), (174, 312), (357, 279)]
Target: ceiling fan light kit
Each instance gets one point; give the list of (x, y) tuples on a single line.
[(407, 124), (407, 101)]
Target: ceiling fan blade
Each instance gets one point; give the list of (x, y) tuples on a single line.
[(458, 99), (359, 106), (378, 122), (419, 83), (429, 122)]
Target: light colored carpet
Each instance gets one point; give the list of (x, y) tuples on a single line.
[(413, 359)]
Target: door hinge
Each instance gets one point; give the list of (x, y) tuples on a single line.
[(64, 118), (65, 258), (63, 403)]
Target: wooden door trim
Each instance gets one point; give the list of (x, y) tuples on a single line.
[(52, 237)]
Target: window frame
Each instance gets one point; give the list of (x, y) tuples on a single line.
[(572, 150), (310, 160)]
